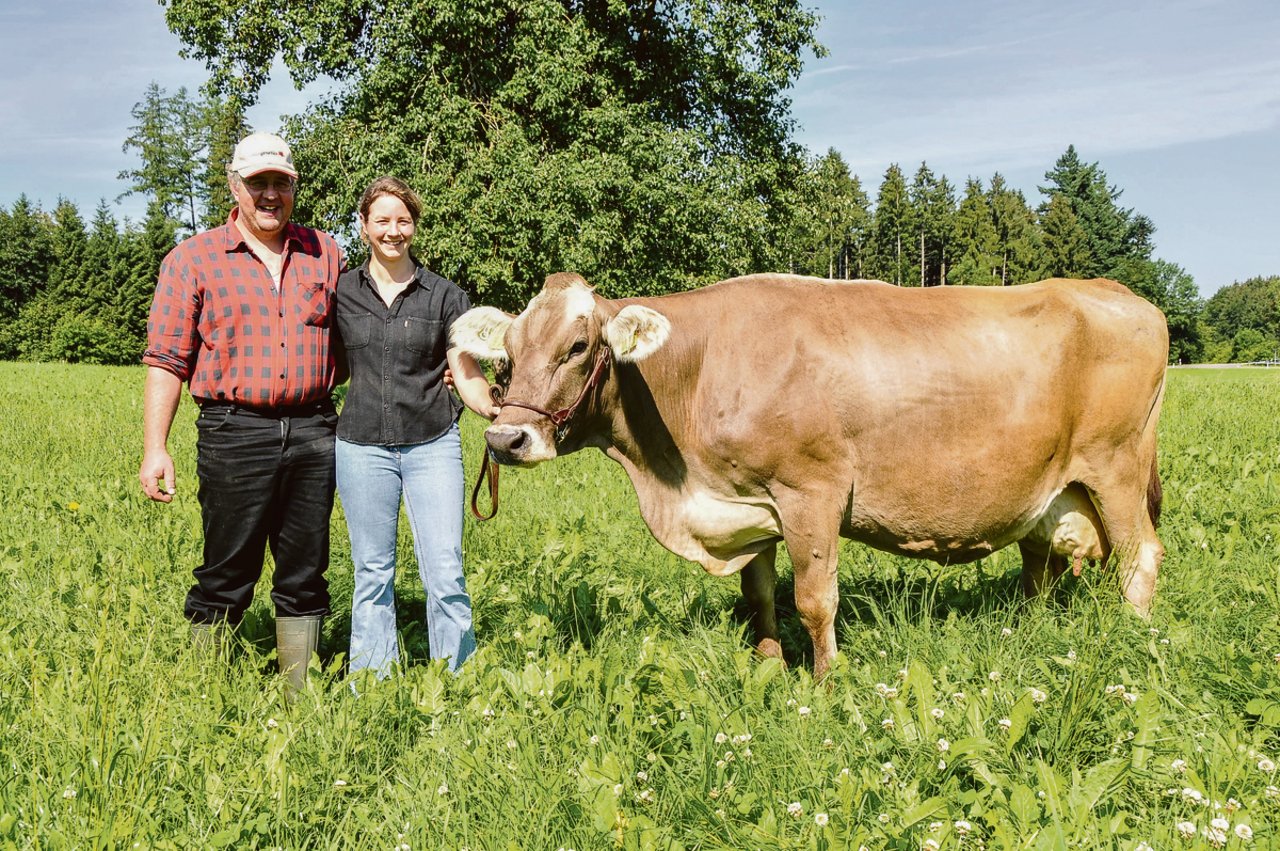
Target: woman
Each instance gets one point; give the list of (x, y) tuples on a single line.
[(398, 432)]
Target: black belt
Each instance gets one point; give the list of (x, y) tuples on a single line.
[(273, 412)]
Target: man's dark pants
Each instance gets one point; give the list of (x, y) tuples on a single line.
[(266, 478)]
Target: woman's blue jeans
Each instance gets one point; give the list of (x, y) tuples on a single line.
[(371, 482)]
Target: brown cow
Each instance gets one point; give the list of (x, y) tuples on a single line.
[(939, 423)]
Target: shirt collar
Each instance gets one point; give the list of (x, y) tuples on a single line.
[(421, 277)]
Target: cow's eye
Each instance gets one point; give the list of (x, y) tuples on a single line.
[(578, 348)]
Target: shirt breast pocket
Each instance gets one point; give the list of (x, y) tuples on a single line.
[(316, 304), (424, 336), (355, 329)]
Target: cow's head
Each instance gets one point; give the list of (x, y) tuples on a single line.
[(551, 350)]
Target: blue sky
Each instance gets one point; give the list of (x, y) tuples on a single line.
[(1178, 101)]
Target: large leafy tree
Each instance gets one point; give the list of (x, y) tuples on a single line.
[(1172, 289), (1252, 305), (1176, 294), (644, 143)]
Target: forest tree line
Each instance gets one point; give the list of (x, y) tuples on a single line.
[(646, 145)]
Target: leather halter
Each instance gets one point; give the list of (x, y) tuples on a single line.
[(559, 419)]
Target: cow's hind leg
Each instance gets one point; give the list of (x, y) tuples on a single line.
[(1127, 517), (1040, 569), (759, 583)]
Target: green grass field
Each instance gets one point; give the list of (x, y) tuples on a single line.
[(615, 702)]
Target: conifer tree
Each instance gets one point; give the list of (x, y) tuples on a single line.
[(170, 138), (26, 256), (152, 242), (832, 220), (923, 187), (95, 285), (1018, 239), (977, 248), (25, 329), (225, 125), (70, 244), (1111, 234), (933, 215), (892, 229), (1065, 242)]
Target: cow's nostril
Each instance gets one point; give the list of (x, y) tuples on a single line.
[(506, 442)]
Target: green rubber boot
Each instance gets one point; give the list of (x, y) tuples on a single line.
[(296, 640), (209, 640)]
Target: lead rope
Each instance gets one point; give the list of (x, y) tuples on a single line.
[(489, 468), (559, 419)]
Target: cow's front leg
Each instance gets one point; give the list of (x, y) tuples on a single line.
[(759, 583), (814, 548)]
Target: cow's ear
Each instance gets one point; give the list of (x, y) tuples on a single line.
[(636, 332), (480, 333)]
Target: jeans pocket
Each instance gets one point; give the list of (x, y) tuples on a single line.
[(213, 420)]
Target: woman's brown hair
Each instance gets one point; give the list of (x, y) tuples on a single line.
[(394, 186)]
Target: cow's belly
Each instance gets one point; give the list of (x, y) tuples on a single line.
[(1062, 521), (942, 548), (722, 533)]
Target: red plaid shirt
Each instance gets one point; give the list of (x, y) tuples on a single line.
[(219, 323)]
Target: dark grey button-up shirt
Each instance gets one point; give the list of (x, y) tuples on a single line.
[(396, 356)]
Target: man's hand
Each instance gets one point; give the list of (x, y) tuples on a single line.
[(448, 379), (159, 403), (157, 468)]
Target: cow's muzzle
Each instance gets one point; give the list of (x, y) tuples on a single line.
[(517, 445)]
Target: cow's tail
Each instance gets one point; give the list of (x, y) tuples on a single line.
[(1155, 493)]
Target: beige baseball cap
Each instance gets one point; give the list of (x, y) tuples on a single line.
[(259, 152)]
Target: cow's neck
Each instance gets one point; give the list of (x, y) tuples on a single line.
[(654, 434), (651, 417)]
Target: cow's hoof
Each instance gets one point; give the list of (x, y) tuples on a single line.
[(1142, 610), (770, 649)]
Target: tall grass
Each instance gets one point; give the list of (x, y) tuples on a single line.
[(614, 702)]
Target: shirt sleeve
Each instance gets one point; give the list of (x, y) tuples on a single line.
[(456, 303), (173, 323)]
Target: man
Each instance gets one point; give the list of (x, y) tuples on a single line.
[(242, 313)]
